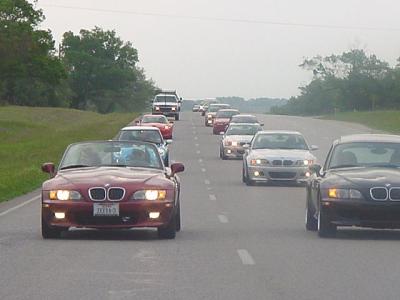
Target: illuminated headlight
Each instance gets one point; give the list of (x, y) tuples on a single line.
[(157, 108), (308, 162), (209, 116), (166, 127), (209, 121), (64, 195), (173, 108), (234, 143), (150, 195), (334, 193), (255, 162)]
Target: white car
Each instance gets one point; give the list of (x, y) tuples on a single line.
[(278, 156)]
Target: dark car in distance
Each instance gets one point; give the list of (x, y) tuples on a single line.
[(222, 119), (359, 185), (111, 185)]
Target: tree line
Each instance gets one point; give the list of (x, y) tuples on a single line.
[(93, 70), (351, 81)]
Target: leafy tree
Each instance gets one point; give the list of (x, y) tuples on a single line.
[(30, 74), (103, 73)]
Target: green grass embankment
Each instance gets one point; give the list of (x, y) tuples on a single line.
[(388, 120), (30, 136)]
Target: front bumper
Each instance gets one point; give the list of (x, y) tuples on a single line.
[(233, 151), (362, 213), (209, 122), (131, 214), (267, 173), (218, 128)]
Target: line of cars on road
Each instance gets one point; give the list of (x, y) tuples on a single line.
[(358, 185), (126, 182)]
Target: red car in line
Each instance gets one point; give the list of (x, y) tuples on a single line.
[(161, 122), (111, 184), (222, 119)]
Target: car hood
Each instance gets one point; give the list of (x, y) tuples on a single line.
[(129, 178), (281, 154), (363, 177), (239, 138)]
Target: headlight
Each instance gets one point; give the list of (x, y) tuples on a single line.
[(209, 116), (234, 143), (308, 162), (157, 108), (64, 195), (173, 109), (150, 195), (334, 193), (166, 127), (257, 162)]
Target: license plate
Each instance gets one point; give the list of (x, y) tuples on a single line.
[(106, 209)]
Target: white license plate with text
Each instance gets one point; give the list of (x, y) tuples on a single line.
[(106, 209)]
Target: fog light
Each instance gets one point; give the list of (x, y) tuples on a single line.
[(59, 215), (256, 173), (229, 151), (209, 121), (308, 174), (154, 215)]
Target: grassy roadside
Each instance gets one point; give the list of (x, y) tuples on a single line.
[(387, 120), (30, 136)]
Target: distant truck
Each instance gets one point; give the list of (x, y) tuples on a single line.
[(167, 103)]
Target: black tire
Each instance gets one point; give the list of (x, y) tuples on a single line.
[(50, 232), (243, 177), (177, 117), (325, 227), (178, 218), (247, 179), (168, 232), (311, 222), (222, 154)]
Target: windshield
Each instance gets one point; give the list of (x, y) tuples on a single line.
[(243, 129), (280, 141), (226, 114), (155, 119), (215, 108), (244, 119), (98, 154), (151, 136), (165, 98), (361, 154)]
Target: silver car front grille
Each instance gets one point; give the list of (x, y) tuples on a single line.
[(282, 163)]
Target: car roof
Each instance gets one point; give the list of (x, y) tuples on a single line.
[(245, 115), (279, 131), (140, 128), (248, 124), (151, 115), (368, 137), (228, 109)]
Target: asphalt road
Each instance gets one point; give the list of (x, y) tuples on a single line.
[(237, 242)]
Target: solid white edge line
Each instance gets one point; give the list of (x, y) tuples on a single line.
[(245, 257), (19, 206)]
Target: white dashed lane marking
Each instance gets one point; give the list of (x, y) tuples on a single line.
[(245, 257), (223, 219), (203, 170), (207, 182), (19, 206), (198, 151), (200, 160), (212, 197)]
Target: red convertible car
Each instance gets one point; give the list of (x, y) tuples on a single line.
[(159, 121), (111, 184)]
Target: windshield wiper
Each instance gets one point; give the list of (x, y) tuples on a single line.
[(347, 166), (74, 167)]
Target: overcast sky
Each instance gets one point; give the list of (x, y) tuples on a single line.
[(203, 49)]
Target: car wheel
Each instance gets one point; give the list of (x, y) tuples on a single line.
[(311, 222), (176, 117), (168, 232), (178, 218), (247, 179), (50, 232), (325, 227), (243, 176)]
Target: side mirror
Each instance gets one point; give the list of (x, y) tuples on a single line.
[(261, 124), (177, 168), (313, 148), (316, 169), (168, 142), (49, 168)]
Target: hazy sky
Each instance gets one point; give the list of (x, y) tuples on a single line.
[(205, 57)]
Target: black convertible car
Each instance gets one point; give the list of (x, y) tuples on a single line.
[(359, 185)]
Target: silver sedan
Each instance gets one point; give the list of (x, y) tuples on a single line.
[(277, 156)]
